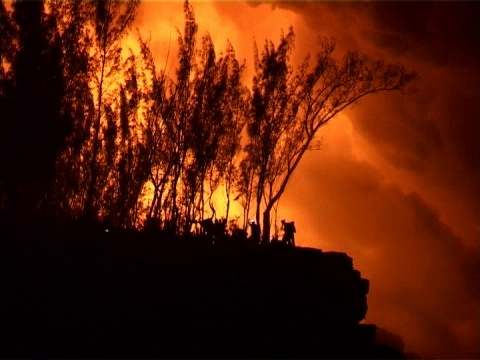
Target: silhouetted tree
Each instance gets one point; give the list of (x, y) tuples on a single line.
[(112, 20), (130, 162), (7, 52), (179, 110), (244, 184), (88, 169), (235, 103), (159, 160), (34, 125), (273, 108), (73, 19), (99, 173), (289, 106), (215, 125), (194, 124)]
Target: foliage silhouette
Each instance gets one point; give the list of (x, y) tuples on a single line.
[(289, 106), (72, 19), (108, 137), (34, 123), (195, 125), (112, 19)]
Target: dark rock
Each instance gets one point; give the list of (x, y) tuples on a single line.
[(94, 294)]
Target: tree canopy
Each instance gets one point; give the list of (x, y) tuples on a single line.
[(93, 130)]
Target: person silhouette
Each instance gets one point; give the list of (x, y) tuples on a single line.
[(219, 228), (255, 235), (288, 233), (207, 227)]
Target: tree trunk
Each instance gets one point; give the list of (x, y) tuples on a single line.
[(88, 208), (153, 203), (227, 187)]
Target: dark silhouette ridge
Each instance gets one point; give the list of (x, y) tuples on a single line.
[(73, 291)]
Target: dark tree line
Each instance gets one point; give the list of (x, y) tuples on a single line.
[(94, 131)]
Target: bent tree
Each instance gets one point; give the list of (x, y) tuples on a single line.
[(289, 105)]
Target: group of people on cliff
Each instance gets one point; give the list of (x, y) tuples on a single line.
[(217, 229)]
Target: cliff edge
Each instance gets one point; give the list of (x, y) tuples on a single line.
[(72, 293)]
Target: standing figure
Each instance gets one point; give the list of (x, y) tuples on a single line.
[(288, 232), (219, 229), (255, 234), (208, 227)]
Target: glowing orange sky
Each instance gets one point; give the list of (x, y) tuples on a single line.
[(396, 185)]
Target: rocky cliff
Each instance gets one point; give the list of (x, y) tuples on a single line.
[(73, 293)]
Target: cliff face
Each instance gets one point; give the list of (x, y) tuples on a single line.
[(130, 295)]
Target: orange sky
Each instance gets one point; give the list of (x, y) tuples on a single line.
[(396, 184)]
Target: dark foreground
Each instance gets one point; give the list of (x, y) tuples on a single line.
[(69, 292)]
